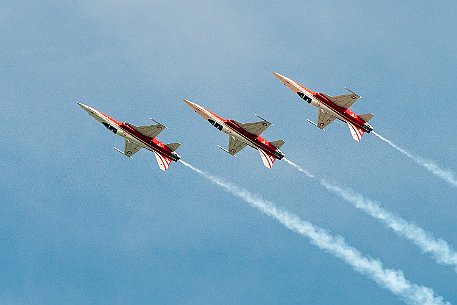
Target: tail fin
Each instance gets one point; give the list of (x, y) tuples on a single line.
[(267, 159), (163, 161), (277, 143), (366, 117), (173, 146), (356, 132)]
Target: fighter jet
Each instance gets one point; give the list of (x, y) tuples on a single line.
[(137, 137), (243, 134), (332, 107)]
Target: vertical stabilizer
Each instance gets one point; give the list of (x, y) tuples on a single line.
[(356, 132), (163, 161), (267, 159)]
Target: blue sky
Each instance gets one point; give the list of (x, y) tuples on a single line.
[(81, 224)]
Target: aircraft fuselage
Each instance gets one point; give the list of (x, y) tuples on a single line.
[(231, 128), (321, 101), (129, 133)]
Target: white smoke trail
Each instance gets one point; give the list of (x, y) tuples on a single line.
[(429, 165), (393, 280), (299, 168), (442, 252)]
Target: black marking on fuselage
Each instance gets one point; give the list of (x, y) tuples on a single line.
[(114, 130)]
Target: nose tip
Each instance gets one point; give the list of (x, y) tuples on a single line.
[(84, 107), (189, 103), (279, 76)]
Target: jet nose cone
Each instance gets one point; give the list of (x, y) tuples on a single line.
[(282, 78), (194, 106), (189, 103), (85, 107)]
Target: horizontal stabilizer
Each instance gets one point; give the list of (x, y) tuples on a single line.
[(366, 117), (173, 146), (277, 143)]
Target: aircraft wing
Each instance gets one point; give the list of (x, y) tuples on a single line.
[(130, 148), (235, 145), (344, 101), (150, 131), (324, 118), (255, 128)]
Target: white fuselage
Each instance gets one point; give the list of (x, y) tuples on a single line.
[(109, 123)]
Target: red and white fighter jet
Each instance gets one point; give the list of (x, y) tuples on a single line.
[(243, 134), (137, 137), (332, 107)]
